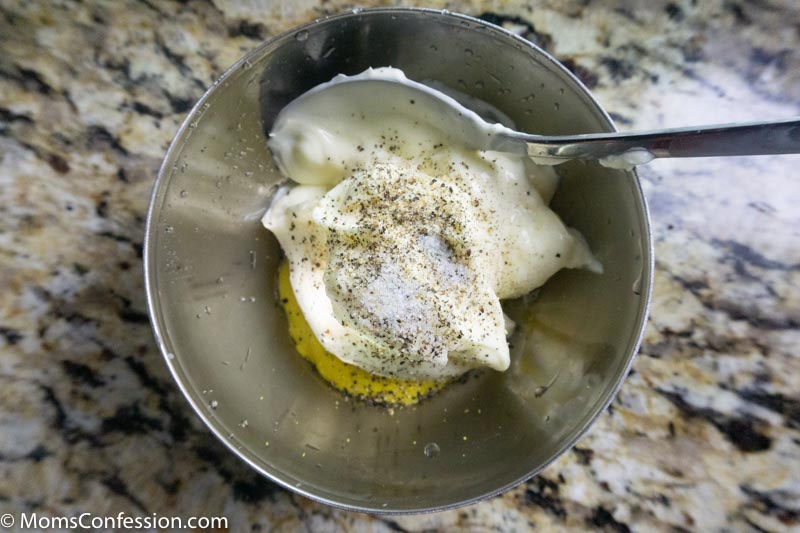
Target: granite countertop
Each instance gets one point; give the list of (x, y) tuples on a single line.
[(705, 433)]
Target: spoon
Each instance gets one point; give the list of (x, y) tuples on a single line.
[(387, 86)]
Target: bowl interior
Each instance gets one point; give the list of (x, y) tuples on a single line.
[(212, 282)]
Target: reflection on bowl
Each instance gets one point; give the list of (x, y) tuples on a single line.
[(211, 274)]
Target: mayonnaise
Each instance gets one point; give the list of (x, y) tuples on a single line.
[(402, 239)]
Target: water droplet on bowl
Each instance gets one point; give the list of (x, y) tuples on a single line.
[(469, 52), (479, 84), (213, 404), (637, 287), (301, 35), (431, 450), (184, 194), (169, 229)]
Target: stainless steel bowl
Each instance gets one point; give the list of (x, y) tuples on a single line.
[(210, 275)]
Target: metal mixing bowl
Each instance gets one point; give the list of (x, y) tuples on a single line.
[(211, 280)]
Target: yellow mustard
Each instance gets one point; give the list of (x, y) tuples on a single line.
[(342, 376)]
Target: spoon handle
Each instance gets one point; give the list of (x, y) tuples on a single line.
[(754, 138)]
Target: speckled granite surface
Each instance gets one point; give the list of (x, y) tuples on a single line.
[(705, 433)]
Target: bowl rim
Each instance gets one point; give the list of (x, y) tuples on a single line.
[(156, 315)]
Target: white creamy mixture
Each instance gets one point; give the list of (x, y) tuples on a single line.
[(628, 159), (402, 240)]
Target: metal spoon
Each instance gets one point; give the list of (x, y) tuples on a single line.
[(624, 150), (384, 87)]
